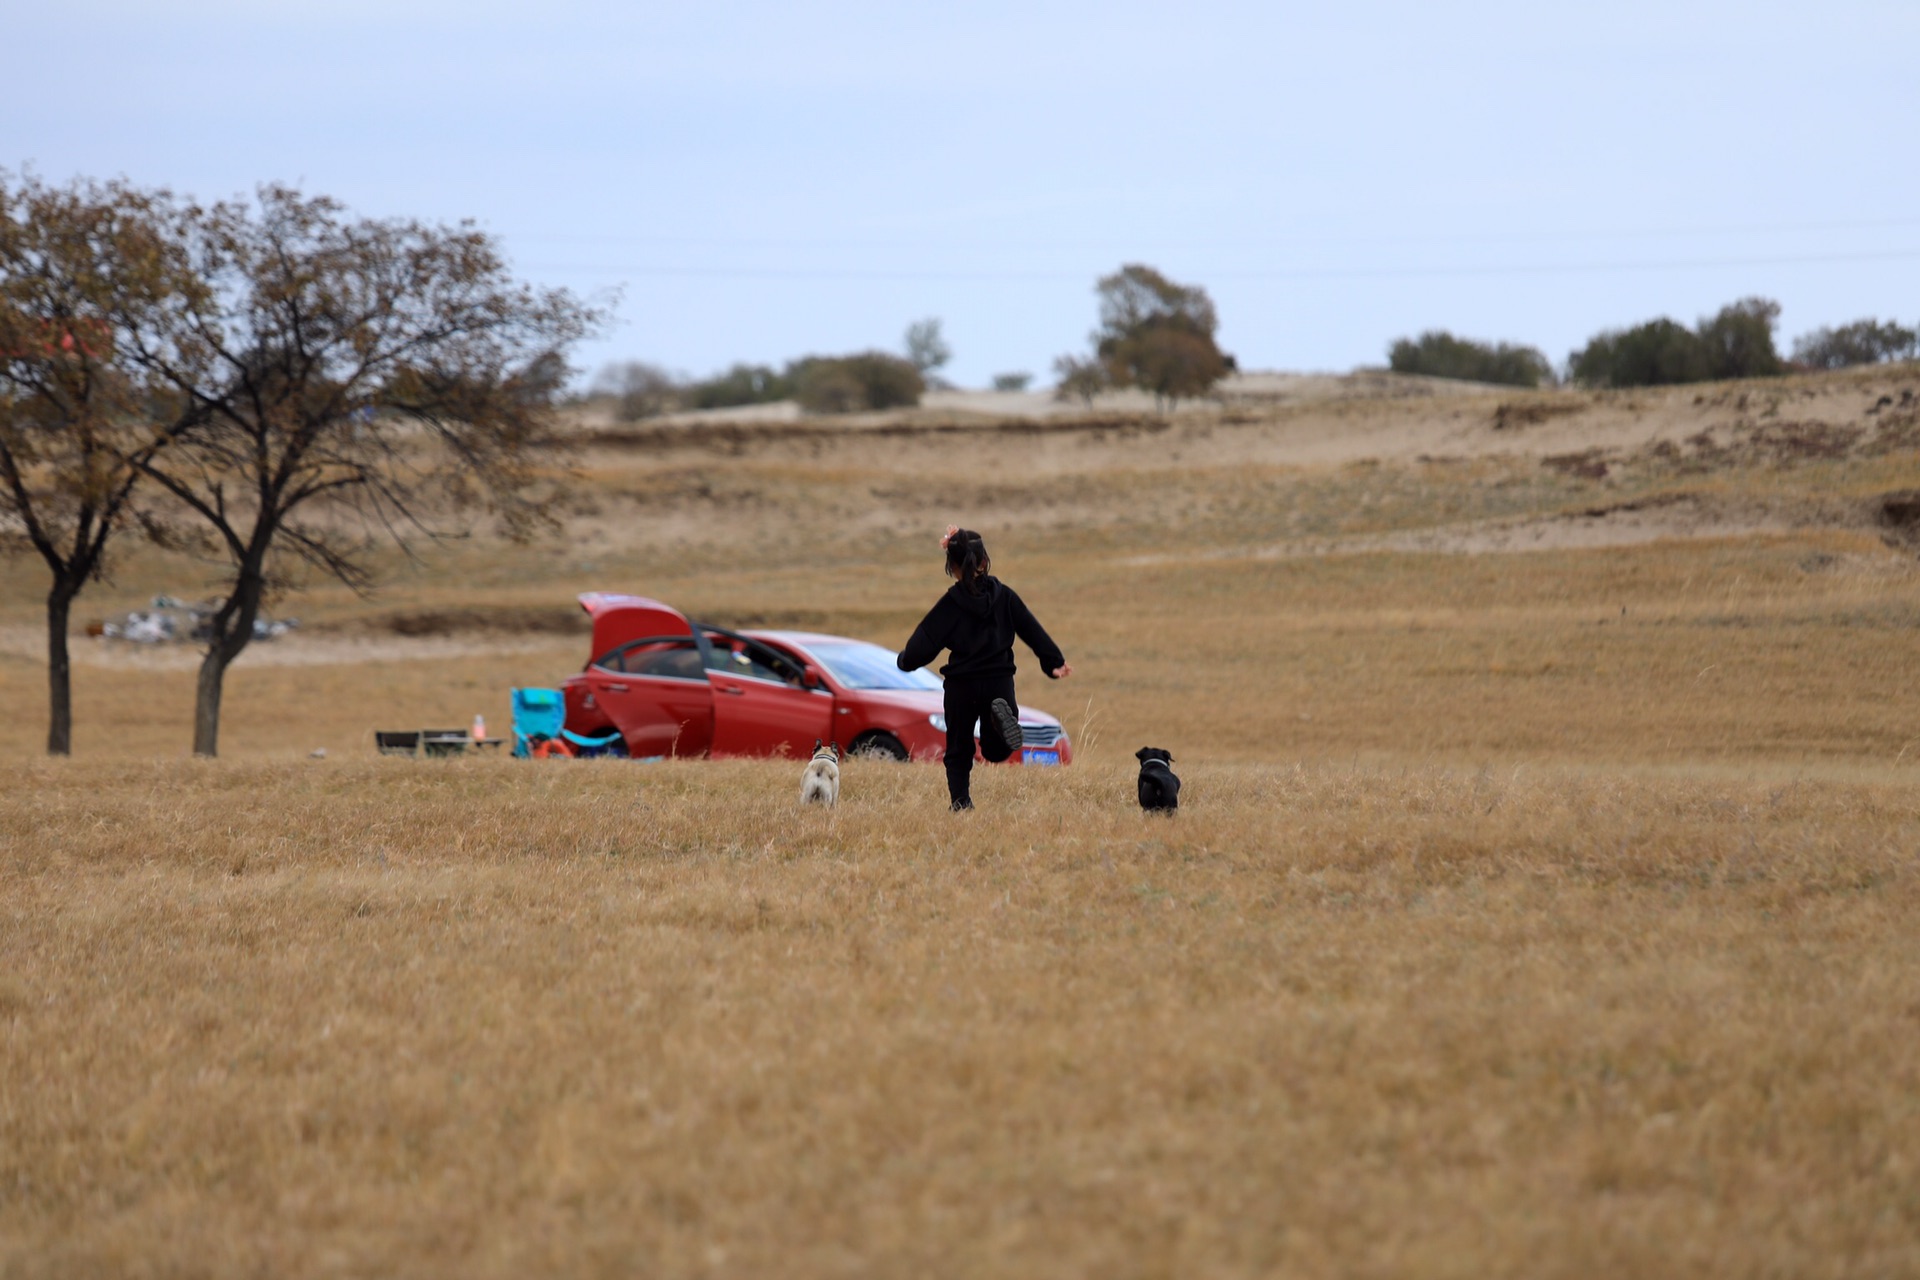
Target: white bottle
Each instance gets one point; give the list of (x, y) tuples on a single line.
[(479, 727)]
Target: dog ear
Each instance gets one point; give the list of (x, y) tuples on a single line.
[(1142, 754)]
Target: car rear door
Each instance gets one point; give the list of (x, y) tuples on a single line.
[(655, 691), (761, 706)]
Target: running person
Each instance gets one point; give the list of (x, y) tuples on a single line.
[(977, 621)]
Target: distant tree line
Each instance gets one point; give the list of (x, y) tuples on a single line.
[(1438, 354), (1160, 336), (1862, 342), (1155, 335), (1735, 342), (856, 383)]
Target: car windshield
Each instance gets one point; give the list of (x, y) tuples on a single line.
[(859, 665)]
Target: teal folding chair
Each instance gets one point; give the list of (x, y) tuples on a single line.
[(540, 716)]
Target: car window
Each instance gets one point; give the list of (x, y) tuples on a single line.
[(738, 656), (859, 665), (675, 659)]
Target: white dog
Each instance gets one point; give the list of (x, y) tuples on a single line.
[(820, 780)]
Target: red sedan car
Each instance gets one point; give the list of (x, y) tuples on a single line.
[(674, 687)]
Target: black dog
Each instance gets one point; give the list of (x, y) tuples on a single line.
[(1159, 785)]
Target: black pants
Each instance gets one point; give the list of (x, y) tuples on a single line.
[(967, 700)]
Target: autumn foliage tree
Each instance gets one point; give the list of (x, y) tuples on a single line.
[(1156, 335), (87, 272), (354, 380)]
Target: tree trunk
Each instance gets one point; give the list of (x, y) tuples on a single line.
[(206, 703), (59, 672), (232, 632)]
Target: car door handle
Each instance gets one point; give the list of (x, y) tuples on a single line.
[(732, 690), (616, 688)]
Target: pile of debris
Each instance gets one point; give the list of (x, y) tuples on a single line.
[(170, 620)]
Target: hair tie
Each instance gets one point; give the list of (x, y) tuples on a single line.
[(947, 537)]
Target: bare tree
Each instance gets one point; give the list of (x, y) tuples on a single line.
[(85, 271), (365, 381)]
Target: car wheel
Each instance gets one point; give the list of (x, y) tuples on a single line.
[(878, 746)]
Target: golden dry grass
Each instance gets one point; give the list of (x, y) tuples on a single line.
[(478, 1019), (1793, 649), (1529, 914)]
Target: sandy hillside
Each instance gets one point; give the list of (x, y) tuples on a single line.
[(1276, 467), (1309, 419), (1070, 458)]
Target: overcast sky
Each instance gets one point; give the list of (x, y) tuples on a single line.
[(763, 180)]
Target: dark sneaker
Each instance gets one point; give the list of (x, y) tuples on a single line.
[(960, 806), (1007, 722)]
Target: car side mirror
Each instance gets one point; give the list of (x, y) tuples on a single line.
[(813, 679)]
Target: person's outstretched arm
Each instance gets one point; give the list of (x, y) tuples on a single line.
[(928, 639), (1028, 628)]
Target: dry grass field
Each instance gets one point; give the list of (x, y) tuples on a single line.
[(1543, 901)]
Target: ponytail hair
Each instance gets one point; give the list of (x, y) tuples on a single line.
[(967, 558)]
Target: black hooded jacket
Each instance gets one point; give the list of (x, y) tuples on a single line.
[(979, 629)]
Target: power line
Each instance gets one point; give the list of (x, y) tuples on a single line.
[(1293, 238), (884, 275)]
